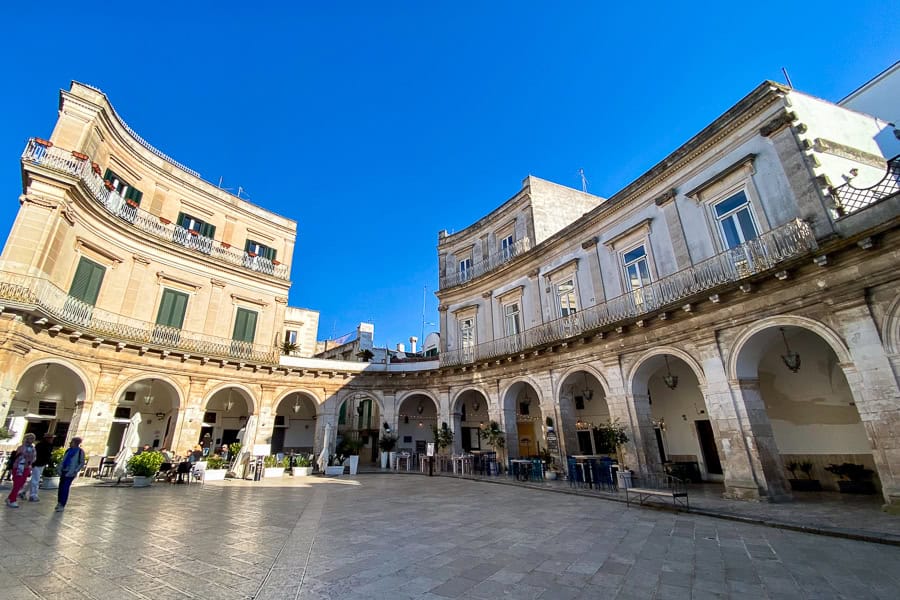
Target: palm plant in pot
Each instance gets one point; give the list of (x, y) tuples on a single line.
[(443, 437), (144, 467), (803, 485), (273, 467), (854, 478), (386, 444), (50, 476), (302, 466)]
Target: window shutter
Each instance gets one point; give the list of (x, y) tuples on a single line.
[(270, 253), (87, 281), (207, 230), (244, 325), (172, 308), (247, 245)]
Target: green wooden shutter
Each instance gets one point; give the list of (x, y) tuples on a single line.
[(207, 230), (87, 280), (244, 325), (270, 253), (172, 308)]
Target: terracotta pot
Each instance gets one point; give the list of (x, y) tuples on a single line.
[(79, 155), (43, 142), (109, 185), (165, 221)]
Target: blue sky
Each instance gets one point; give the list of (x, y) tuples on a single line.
[(377, 124)]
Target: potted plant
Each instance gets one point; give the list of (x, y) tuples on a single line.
[(494, 437), (350, 449), (854, 478), (551, 470), (95, 168), (609, 437), (165, 221), (803, 485), (335, 465), (50, 476), (273, 468), (6, 433), (386, 444), (443, 437), (144, 467), (302, 466), (288, 347), (215, 468), (80, 155)]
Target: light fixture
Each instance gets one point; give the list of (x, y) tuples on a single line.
[(160, 415), (405, 419), (297, 406), (659, 423), (670, 380), (41, 385), (420, 408), (791, 359), (476, 404), (588, 393), (229, 404), (420, 424), (148, 399)]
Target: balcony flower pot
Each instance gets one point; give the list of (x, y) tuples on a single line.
[(226, 245), (43, 142), (131, 203), (80, 155), (108, 184), (95, 168), (302, 471), (194, 233), (251, 254), (276, 262), (165, 221)]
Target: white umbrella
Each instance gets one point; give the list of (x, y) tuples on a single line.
[(326, 446), (129, 441)]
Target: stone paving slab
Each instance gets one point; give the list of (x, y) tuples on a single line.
[(402, 537)]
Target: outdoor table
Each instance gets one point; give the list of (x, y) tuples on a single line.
[(521, 468)]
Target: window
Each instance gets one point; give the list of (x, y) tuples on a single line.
[(506, 247), (244, 326), (124, 189), (122, 412), (46, 408), (171, 309), (87, 280), (209, 417), (511, 317), (260, 250), (465, 269), (565, 298), (290, 336), (637, 272), (467, 336), (736, 221), (194, 224)]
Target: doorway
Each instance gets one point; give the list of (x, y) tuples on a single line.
[(708, 447)]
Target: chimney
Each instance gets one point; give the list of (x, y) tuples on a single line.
[(412, 343), (401, 348)]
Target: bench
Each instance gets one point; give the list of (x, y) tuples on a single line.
[(658, 485)]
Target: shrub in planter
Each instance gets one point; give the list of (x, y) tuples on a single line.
[(854, 478), (144, 467), (50, 476), (803, 485), (215, 462), (609, 437), (302, 465), (273, 466)]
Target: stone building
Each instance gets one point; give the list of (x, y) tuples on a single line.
[(735, 307)]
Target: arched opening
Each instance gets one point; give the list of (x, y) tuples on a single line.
[(224, 418), (359, 423), (809, 405), (523, 421), (45, 403), (582, 410), (415, 418), (156, 401), (678, 432), (470, 414), (295, 424)]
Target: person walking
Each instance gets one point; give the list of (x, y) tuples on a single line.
[(42, 451), (72, 463), (21, 468)]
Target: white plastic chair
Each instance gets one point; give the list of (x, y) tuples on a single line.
[(199, 471)]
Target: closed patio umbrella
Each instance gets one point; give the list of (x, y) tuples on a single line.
[(327, 442)]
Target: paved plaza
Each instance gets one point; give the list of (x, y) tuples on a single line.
[(402, 536)]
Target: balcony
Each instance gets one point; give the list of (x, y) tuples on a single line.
[(486, 266), (849, 199), (63, 161), (38, 295), (752, 258)]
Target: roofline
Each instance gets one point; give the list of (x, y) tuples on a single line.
[(878, 77)]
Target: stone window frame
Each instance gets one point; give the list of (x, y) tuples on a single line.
[(508, 298), (461, 254), (733, 179), (461, 314), (504, 232), (568, 271), (625, 242)]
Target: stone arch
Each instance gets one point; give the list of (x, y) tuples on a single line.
[(468, 388), (249, 397), (640, 365), (123, 387), (598, 375), (339, 399), (311, 395), (400, 399), (748, 346), (890, 330), (88, 390), (521, 379)]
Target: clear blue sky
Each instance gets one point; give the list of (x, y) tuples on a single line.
[(377, 124)]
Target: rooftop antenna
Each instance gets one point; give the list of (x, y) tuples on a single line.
[(220, 184), (424, 295), (584, 180), (787, 78)]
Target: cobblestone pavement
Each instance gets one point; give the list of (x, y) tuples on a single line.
[(398, 537)]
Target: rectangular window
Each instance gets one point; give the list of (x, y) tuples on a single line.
[(511, 316), (194, 224), (125, 189), (467, 338), (260, 250), (290, 336), (172, 308), (736, 220), (122, 412), (465, 269), (87, 280), (637, 272), (565, 298), (46, 408), (209, 417), (244, 326), (506, 247)]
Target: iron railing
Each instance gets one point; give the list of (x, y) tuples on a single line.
[(789, 241), (487, 265), (849, 199), (37, 294), (63, 161)]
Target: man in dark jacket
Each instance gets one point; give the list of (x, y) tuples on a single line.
[(43, 450)]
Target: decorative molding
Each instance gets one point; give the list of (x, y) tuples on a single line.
[(235, 298), (849, 152), (563, 269), (162, 276), (38, 201), (665, 197), (142, 260), (534, 273), (516, 291), (80, 243), (780, 122), (487, 294), (123, 169), (642, 225), (745, 162), (590, 242), (281, 300), (217, 283)]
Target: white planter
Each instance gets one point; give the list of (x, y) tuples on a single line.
[(550, 475), (353, 463), (332, 471), (392, 460), (302, 471), (141, 481), (214, 475), (624, 478), (384, 460), (49, 483), (273, 472)]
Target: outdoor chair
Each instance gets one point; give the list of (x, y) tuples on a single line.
[(537, 470), (92, 466), (198, 473)]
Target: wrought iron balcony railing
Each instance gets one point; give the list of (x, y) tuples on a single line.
[(849, 199), (64, 161), (37, 294), (789, 241), (487, 265)]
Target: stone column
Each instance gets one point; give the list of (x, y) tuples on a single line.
[(442, 314), (593, 263), (97, 412), (265, 414), (389, 398), (875, 392), (633, 453), (190, 416), (669, 206), (565, 425)]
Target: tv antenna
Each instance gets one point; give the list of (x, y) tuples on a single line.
[(584, 181)]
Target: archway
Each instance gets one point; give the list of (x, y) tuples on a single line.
[(416, 416), (470, 414), (797, 375), (46, 402), (523, 421), (675, 427), (359, 424), (156, 401), (295, 424), (582, 409), (225, 417)]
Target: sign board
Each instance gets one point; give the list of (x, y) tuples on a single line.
[(430, 451), (262, 449), (552, 443)]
